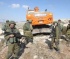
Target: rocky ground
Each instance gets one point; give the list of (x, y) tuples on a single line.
[(40, 50)]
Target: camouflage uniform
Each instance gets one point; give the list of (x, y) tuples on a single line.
[(68, 34), (5, 27), (60, 26), (27, 28), (13, 42), (56, 36)]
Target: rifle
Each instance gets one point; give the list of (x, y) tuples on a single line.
[(17, 35)]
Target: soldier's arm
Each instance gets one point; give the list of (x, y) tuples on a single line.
[(7, 37)]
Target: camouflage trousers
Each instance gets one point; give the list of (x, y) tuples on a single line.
[(13, 49), (55, 43), (28, 39), (29, 36)]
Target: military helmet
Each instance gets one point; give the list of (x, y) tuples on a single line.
[(29, 21), (59, 20), (12, 22), (7, 20)]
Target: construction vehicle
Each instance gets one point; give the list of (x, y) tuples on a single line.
[(41, 21)]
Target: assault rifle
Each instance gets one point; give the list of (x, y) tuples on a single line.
[(17, 35)]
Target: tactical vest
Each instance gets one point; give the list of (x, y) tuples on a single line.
[(27, 30), (27, 27), (55, 31), (14, 39)]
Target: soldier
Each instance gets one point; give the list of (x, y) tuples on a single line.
[(68, 34), (60, 26), (27, 28), (6, 25), (12, 37), (56, 36)]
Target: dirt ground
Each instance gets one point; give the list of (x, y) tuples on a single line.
[(40, 50)]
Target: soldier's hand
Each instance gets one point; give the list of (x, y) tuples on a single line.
[(11, 35), (22, 40)]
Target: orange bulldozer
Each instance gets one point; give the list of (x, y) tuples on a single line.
[(41, 21)]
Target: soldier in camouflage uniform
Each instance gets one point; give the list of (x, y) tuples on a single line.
[(68, 34), (60, 26), (27, 28), (12, 37), (6, 25), (55, 37)]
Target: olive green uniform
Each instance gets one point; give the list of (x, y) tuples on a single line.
[(60, 28), (27, 28), (13, 43), (4, 28), (56, 36), (68, 34)]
